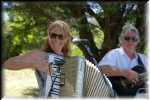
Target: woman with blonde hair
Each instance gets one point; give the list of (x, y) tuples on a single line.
[(53, 51)]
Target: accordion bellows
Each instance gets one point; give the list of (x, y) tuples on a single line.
[(83, 79)]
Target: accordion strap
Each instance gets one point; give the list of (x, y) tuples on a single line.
[(140, 61)]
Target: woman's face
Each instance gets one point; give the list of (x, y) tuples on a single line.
[(56, 39), (130, 41)]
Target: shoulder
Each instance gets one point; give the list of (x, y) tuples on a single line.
[(112, 54), (113, 51), (143, 56), (109, 58)]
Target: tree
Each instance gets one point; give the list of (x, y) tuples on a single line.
[(26, 28), (111, 24)]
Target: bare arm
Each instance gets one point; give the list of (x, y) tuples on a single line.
[(19, 62), (110, 71), (35, 59)]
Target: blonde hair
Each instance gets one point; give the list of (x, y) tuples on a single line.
[(128, 27), (66, 31)]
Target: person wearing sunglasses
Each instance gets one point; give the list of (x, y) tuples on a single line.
[(120, 61), (53, 51)]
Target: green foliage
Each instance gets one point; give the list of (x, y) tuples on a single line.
[(110, 8), (146, 51), (26, 28), (19, 36), (132, 17), (98, 36), (74, 32), (75, 51)]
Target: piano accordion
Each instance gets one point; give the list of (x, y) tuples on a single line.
[(82, 79)]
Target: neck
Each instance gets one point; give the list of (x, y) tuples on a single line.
[(131, 53), (59, 53)]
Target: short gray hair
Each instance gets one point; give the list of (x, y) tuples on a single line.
[(128, 27)]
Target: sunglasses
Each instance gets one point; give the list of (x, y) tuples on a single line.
[(133, 39), (54, 36)]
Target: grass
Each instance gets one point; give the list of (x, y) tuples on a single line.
[(21, 83)]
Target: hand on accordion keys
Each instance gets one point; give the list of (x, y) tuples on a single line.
[(59, 61), (56, 59)]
